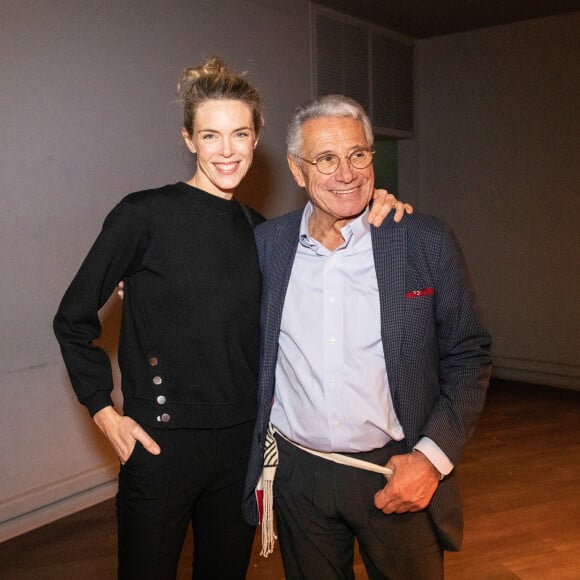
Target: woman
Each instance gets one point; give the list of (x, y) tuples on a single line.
[(188, 349)]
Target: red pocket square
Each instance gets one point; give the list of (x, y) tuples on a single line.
[(417, 293)]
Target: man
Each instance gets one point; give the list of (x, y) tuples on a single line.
[(371, 348)]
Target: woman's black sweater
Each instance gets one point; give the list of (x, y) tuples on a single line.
[(188, 349)]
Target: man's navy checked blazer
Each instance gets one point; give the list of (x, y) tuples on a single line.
[(436, 347)]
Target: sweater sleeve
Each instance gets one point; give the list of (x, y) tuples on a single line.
[(115, 253)]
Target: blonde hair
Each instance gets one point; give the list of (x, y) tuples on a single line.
[(213, 80)]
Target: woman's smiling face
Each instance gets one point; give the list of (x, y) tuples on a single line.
[(224, 140)]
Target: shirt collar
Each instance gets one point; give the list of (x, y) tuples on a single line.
[(353, 233)]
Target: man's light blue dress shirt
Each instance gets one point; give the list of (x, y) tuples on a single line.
[(332, 389)]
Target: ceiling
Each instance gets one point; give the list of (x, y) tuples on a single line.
[(426, 18)]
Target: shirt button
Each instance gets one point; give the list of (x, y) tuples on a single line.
[(332, 341), (161, 400), (157, 380), (153, 361), (165, 418)]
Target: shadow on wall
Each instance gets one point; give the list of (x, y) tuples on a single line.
[(110, 316), (258, 187)]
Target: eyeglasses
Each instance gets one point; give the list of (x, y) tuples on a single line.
[(328, 163)]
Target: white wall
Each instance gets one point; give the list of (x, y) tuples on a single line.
[(87, 115), (497, 156)]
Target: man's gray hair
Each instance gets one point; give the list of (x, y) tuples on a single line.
[(326, 106)]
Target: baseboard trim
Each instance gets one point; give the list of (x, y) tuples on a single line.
[(538, 372), (29, 512)]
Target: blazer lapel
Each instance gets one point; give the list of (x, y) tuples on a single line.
[(286, 244), (390, 255), (277, 272)]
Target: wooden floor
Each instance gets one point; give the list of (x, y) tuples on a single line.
[(520, 479)]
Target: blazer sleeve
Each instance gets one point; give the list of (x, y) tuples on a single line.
[(76, 324), (464, 353)]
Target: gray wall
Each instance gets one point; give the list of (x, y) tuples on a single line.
[(498, 157), (87, 115)]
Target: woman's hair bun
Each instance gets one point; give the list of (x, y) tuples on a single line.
[(213, 66), (214, 80)]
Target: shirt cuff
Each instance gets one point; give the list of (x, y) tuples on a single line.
[(433, 453)]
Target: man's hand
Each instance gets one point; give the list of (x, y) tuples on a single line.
[(411, 486), (123, 433), (383, 203)]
